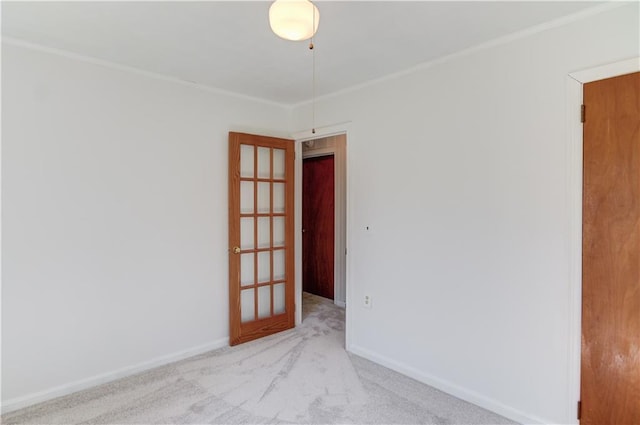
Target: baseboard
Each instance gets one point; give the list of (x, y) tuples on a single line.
[(449, 388), (340, 303), (62, 390)]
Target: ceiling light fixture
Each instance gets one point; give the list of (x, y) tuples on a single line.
[(297, 20), (294, 20)]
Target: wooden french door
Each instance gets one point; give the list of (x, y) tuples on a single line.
[(261, 236), (610, 371), (318, 225)]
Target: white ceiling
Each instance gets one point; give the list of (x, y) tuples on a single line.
[(228, 45)]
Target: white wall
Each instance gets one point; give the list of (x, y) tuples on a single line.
[(460, 170), (114, 194)]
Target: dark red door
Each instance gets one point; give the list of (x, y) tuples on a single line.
[(318, 206)]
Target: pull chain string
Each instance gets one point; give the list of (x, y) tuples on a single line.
[(313, 97), (313, 74)]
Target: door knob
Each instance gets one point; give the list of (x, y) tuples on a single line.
[(236, 250)]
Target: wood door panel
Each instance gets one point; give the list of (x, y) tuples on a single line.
[(318, 222), (269, 163), (610, 371)]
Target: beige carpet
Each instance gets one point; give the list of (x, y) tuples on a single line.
[(299, 376)]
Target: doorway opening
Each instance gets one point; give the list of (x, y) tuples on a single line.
[(323, 222)]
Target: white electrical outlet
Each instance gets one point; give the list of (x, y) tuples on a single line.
[(366, 303)]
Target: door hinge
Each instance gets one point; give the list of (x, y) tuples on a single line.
[(579, 410), (582, 113)]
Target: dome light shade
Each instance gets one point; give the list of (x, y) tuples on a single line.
[(294, 20)]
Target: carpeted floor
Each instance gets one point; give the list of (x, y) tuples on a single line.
[(299, 376)]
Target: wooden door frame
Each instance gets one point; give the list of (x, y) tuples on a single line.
[(575, 82), (299, 138)]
